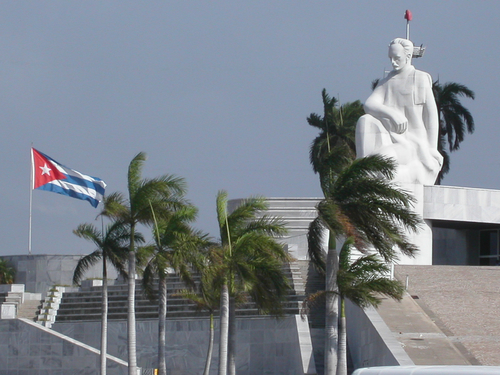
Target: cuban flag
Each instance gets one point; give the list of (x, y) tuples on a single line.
[(49, 175)]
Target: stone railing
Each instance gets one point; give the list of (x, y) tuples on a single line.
[(48, 312)]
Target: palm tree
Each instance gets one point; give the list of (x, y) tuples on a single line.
[(330, 152), (161, 194), (7, 273), (249, 260), (176, 246), (362, 281), (360, 202), (454, 119), (110, 246)]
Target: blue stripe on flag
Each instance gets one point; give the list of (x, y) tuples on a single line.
[(51, 186), (95, 184)]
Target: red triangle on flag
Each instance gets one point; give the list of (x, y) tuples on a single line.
[(44, 171)]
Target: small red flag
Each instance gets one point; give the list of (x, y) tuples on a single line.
[(408, 15)]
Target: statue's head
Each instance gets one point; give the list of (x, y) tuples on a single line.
[(400, 53)]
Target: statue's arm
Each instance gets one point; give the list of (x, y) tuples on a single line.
[(375, 106), (430, 116)]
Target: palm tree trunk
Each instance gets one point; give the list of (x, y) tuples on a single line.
[(210, 346), (131, 332), (224, 329), (342, 355), (231, 355), (104, 316), (331, 308), (162, 313)]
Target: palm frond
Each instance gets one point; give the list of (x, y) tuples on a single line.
[(366, 279), (221, 207), (84, 264), (135, 172), (315, 241), (454, 118)]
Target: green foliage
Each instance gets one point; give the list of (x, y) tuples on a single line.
[(248, 257), (364, 280), (111, 245), (163, 194), (454, 119), (176, 245), (361, 202), (7, 273), (335, 145)]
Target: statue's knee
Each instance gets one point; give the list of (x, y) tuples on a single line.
[(366, 123), (362, 121)]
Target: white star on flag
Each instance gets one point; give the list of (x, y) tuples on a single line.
[(45, 169)]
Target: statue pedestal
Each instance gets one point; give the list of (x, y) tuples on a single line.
[(423, 238)]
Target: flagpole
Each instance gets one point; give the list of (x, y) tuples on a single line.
[(31, 198)]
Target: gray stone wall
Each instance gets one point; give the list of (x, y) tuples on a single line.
[(29, 348), (40, 272), (371, 343), (264, 345)]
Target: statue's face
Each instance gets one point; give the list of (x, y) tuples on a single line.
[(398, 57)]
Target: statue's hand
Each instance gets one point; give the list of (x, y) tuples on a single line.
[(399, 124)]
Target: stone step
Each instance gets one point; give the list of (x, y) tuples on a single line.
[(154, 314), (145, 304), (29, 309)]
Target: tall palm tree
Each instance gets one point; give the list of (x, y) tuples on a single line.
[(7, 273), (454, 119), (362, 281), (360, 202), (161, 194), (330, 152), (176, 246), (248, 259), (111, 245)]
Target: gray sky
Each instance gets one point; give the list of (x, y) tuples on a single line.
[(215, 92)]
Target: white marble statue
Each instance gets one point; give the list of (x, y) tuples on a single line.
[(401, 120)]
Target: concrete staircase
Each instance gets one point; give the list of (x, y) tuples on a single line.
[(15, 302), (85, 304), (29, 310)]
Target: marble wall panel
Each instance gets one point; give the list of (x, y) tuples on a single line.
[(36, 350), (40, 272), (461, 204), (259, 342)]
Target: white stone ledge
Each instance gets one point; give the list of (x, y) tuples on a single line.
[(452, 203)]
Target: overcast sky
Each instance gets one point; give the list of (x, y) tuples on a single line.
[(216, 92)]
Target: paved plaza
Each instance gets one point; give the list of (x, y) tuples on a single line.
[(449, 316)]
